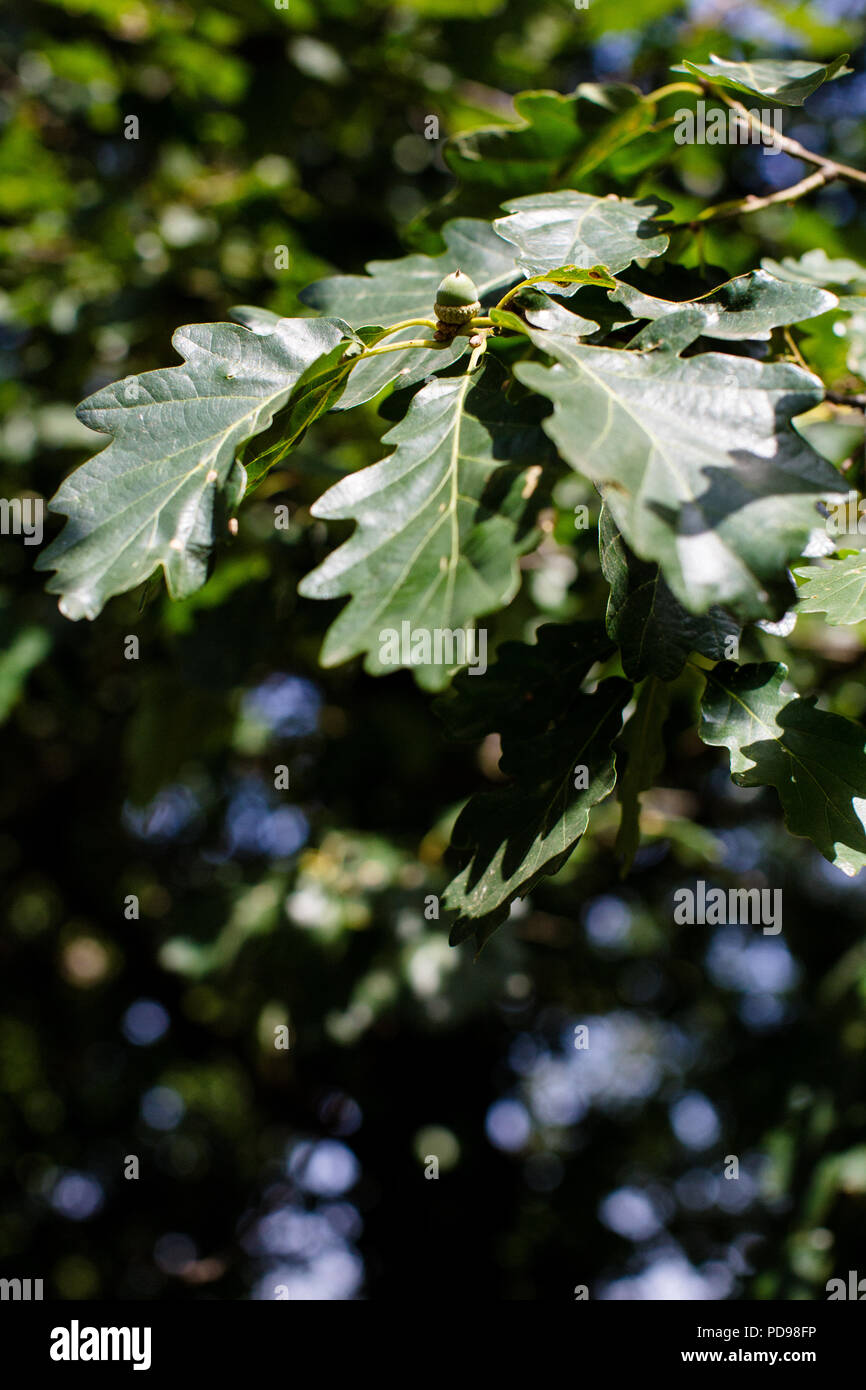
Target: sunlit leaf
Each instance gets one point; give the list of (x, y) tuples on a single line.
[(568, 228), (696, 458), (746, 307), (787, 81), (393, 291), (156, 495), (836, 588), (441, 522)]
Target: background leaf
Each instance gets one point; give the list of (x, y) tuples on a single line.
[(523, 689), (559, 137)]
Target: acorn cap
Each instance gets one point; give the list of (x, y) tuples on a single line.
[(457, 291)]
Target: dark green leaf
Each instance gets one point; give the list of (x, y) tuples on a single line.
[(641, 741), (527, 685), (514, 837), (654, 632), (815, 760)]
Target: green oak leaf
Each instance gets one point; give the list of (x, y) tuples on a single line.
[(654, 632), (568, 228), (696, 458), (504, 318), (399, 369), (562, 276), (406, 288), (815, 760), (641, 741), (319, 389), (846, 278), (522, 690), (393, 291), (156, 494), (788, 82), (257, 320), (513, 837), (836, 588), (265, 321), (625, 144), (534, 306), (558, 138), (441, 523), (748, 306), (835, 440)]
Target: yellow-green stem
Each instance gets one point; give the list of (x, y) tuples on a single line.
[(672, 87), (398, 347), (404, 323)]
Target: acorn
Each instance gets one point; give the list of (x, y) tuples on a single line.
[(457, 299)]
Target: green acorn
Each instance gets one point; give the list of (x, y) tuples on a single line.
[(457, 299)]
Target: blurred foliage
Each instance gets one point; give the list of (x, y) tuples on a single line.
[(304, 128)]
